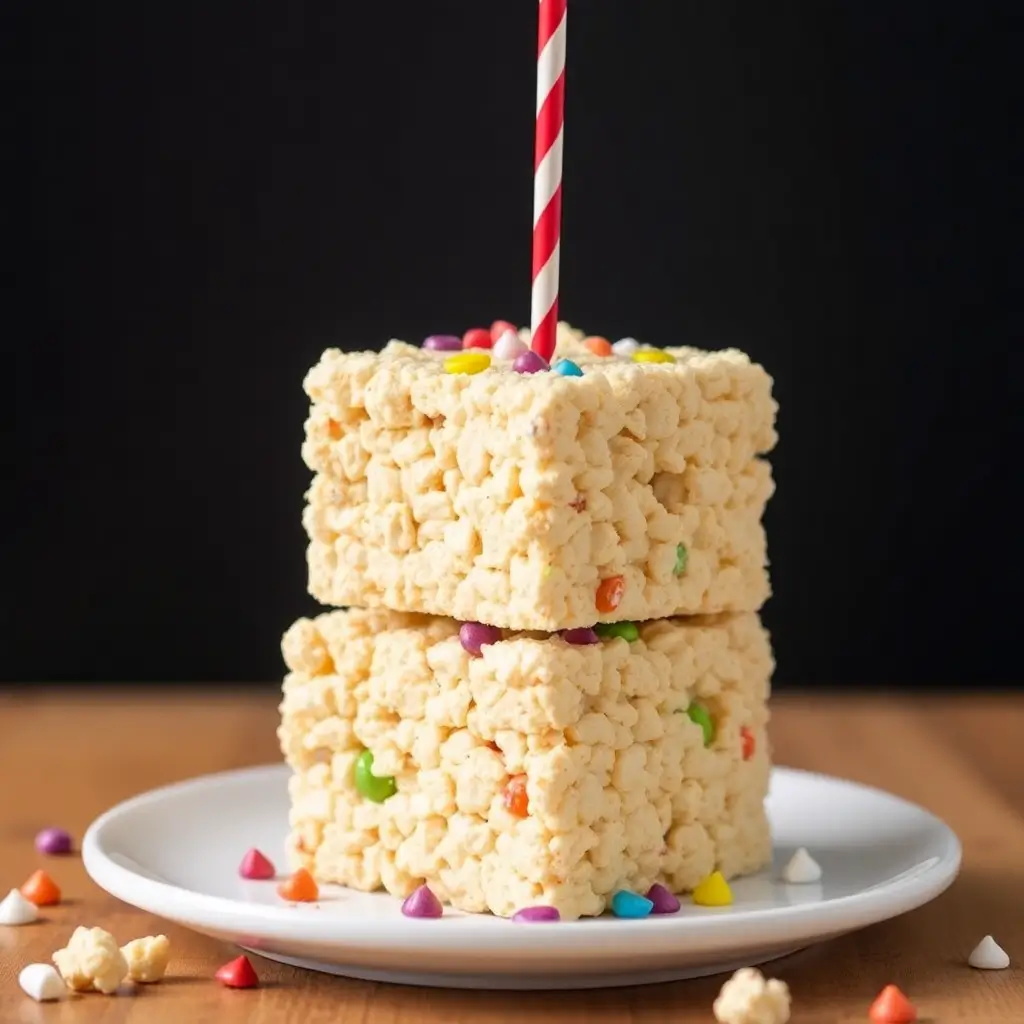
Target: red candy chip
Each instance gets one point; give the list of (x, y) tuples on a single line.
[(747, 739), (499, 327), (238, 974), (892, 1007), (254, 865), (478, 337)]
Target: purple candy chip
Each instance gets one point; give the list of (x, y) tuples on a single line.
[(53, 841), (664, 901), (422, 903), (580, 635), (531, 915), (443, 343), (473, 635), (529, 362)]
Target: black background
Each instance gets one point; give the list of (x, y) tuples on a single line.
[(203, 196)]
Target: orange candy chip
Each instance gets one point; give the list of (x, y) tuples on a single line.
[(516, 800), (609, 593), (299, 888), (747, 739), (599, 346), (892, 1007), (41, 890)]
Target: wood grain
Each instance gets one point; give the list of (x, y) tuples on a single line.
[(64, 758)]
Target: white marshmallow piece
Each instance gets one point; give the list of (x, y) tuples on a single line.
[(42, 983), (802, 869), (988, 955), (15, 909), (625, 346), (508, 346)]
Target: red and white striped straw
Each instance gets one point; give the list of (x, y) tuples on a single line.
[(547, 175)]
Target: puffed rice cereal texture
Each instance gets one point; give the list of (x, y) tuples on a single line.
[(508, 498), (91, 960), (622, 791)]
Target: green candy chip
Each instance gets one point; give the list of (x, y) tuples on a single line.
[(374, 787), (682, 557), (700, 715), (610, 630)]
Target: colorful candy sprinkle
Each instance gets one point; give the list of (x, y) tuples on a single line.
[(516, 800), (474, 635), (500, 327), (625, 630), (747, 743), (625, 346), (536, 915), (467, 362), (41, 889), (662, 901), (529, 362), (891, 1006), (599, 346), (256, 866), (300, 887), (477, 337), (682, 558), (567, 368), (652, 355), (53, 841), (714, 891), (700, 715), (508, 346), (631, 904), (988, 955), (442, 343), (238, 973), (16, 910), (609, 593), (42, 983), (422, 903), (374, 787), (580, 635)]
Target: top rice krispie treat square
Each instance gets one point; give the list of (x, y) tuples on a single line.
[(539, 501)]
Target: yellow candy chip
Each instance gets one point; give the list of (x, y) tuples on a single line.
[(652, 355), (714, 891), (467, 362)]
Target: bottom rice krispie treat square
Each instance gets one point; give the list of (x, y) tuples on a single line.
[(534, 770)]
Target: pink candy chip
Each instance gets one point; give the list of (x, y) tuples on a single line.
[(255, 866), (533, 915), (422, 903), (664, 901)]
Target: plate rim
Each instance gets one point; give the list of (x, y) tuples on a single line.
[(707, 932)]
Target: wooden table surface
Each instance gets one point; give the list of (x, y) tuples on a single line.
[(65, 757)]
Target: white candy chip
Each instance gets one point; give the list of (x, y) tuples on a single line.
[(802, 869), (988, 955), (15, 909), (625, 346), (42, 983), (508, 346)]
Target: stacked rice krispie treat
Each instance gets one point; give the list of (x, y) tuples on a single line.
[(550, 683)]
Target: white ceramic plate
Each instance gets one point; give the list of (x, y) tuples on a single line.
[(175, 852)]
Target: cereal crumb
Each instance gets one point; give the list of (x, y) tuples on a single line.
[(91, 960), (747, 998), (147, 957)]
